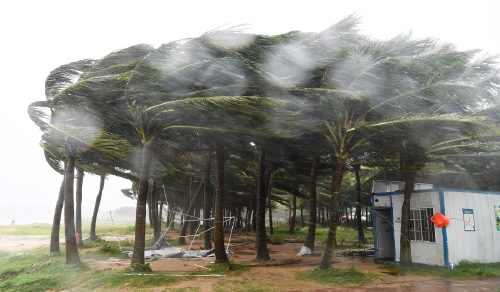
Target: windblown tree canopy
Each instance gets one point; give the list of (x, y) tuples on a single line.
[(334, 93)]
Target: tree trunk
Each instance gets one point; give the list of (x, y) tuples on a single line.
[(207, 202), (361, 234), (268, 195), (78, 198), (140, 210), (196, 214), (160, 211), (311, 233), (254, 212), (326, 261), (301, 216), (220, 251), (171, 215), (54, 236), (72, 256), (248, 216), (96, 209), (189, 215), (262, 252), (404, 241), (154, 206), (150, 207), (294, 215), (271, 229)]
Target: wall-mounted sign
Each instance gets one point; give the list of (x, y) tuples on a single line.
[(469, 224), (497, 216)]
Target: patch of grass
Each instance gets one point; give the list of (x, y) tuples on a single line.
[(139, 268), (468, 269), (465, 269), (225, 268), (100, 250), (336, 277), (347, 237), (31, 229), (32, 271), (104, 280), (46, 229)]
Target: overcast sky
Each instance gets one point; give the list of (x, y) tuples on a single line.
[(38, 36)]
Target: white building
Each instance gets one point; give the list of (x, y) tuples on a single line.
[(473, 233)]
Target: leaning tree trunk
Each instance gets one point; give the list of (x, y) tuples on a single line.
[(160, 211), (149, 202), (56, 225), (262, 252), (294, 215), (404, 241), (207, 203), (326, 261), (78, 198), (248, 215), (311, 233), (361, 234), (270, 211), (220, 251), (140, 210), (268, 195), (96, 209), (72, 256), (154, 206), (189, 213)]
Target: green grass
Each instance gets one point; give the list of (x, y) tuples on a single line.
[(230, 268), (32, 272), (32, 229), (465, 269), (45, 229), (346, 237), (336, 277)]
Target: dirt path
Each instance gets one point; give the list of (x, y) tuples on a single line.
[(275, 275), (18, 243)]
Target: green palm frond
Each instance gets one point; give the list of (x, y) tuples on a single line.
[(94, 139)]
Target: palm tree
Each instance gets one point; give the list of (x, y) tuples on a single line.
[(56, 223), (78, 211), (207, 202), (96, 208), (368, 97), (311, 232), (72, 256), (220, 252), (262, 252)]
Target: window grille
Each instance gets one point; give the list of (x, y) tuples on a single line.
[(421, 227)]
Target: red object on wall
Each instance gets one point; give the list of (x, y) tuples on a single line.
[(440, 220)]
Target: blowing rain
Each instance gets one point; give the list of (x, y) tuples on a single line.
[(296, 160)]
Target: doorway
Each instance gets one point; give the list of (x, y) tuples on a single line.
[(384, 235)]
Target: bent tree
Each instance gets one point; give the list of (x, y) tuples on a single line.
[(347, 91)]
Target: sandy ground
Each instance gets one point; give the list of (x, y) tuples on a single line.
[(275, 275), (19, 243)]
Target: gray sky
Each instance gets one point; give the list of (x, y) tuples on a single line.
[(38, 36)]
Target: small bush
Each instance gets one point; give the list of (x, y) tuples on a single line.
[(139, 268)]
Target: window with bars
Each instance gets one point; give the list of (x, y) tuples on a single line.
[(421, 227)]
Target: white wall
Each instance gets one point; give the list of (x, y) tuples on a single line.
[(481, 245), (429, 253)]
